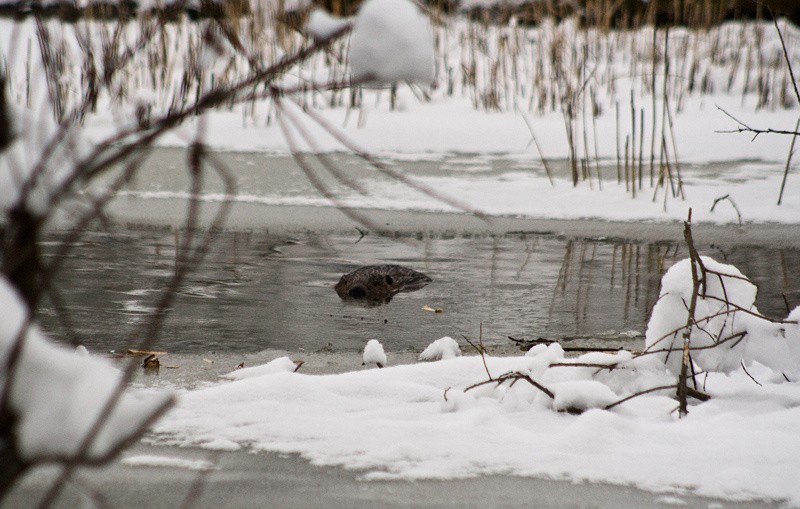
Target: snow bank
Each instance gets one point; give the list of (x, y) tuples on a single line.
[(416, 422), (58, 393)]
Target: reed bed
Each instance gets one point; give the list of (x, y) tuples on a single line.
[(642, 76)]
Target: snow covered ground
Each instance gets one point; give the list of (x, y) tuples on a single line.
[(414, 422)]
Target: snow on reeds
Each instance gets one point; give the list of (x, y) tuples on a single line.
[(641, 77)]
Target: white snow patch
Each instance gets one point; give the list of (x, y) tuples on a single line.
[(582, 395), (667, 500), (442, 348), (416, 422), (391, 42), (726, 316), (149, 460), (321, 25), (279, 365), (374, 354)]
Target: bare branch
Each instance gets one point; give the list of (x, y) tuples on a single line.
[(744, 128)]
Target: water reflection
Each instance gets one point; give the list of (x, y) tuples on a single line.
[(258, 290)]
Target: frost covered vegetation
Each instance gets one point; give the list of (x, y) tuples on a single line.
[(85, 102)]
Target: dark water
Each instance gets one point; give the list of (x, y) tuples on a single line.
[(260, 291)]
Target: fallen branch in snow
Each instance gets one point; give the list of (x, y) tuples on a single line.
[(514, 376), (527, 344)]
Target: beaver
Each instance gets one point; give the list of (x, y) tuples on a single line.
[(377, 284)]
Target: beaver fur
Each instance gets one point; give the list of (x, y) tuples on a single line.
[(377, 284)]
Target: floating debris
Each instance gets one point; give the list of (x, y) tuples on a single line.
[(432, 310)]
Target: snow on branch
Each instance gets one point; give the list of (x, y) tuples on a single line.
[(44, 383)]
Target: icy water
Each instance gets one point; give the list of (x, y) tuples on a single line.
[(267, 283), (259, 291)]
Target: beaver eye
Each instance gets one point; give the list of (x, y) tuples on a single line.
[(357, 292), (389, 280)]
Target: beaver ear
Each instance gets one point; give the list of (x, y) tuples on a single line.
[(389, 280), (357, 292)]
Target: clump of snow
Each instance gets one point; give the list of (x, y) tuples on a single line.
[(58, 394), (374, 354), (279, 365), (321, 25), (442, 348), (391, 42), (724, 317)]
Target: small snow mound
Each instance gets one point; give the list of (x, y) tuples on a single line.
[(605, 358), (716, 320), (729, 330), (391, 42), (551, 353), (321, 25), (374, 354), (441, 349), (582, 395), (279, 365), (81, 351)]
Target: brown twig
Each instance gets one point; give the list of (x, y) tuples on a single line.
[(686, 359), (744, 128), (733, 203)]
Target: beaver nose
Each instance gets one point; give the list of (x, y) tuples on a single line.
[(357, 292)]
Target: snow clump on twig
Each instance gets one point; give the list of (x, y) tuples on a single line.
[(391, 42)]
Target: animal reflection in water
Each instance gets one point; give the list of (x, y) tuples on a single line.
[(373, 285)]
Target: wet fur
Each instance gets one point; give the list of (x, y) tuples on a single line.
[(377, 284)]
